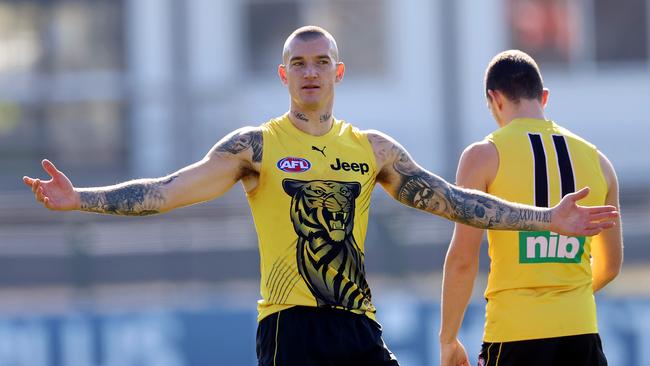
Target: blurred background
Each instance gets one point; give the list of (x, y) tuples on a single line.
[(122, 89)]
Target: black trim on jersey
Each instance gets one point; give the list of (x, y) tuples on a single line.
[(541, 174), (567, 178)]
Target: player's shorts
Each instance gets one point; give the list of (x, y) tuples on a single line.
[(578, 350), (311, 336)]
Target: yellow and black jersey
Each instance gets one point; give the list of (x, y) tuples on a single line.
[(311, 214), (540, 285)]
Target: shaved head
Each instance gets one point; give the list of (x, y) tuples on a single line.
[(308, 33)]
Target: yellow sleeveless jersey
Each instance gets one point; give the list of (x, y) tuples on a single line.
[(311, 215), (539, 285)]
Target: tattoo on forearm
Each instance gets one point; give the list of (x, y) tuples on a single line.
[(423, 190), (300, 116), (530, 215), (325, 117), (242, 141), (138, 198)]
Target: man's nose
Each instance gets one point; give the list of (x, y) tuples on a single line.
[(311, 72)]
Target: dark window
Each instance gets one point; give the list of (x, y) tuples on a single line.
[(559, 32), (357, 25), (269, 24), (621, 30)]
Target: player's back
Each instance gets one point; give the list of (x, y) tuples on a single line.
[(539, 284)]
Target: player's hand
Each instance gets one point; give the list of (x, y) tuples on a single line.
[(453, 354), (56, 193), (568, 218)]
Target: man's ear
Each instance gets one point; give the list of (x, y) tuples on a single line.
[(340, 71), (282, 73), (496, 98), (545, 95)]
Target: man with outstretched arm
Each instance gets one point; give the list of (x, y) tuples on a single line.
[(308, 178)]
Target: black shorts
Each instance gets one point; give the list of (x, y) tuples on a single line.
[(578, 350), (310, 336)]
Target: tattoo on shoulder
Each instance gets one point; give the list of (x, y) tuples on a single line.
[(404, 165), (241, 141), (382, 147), (138, 198)]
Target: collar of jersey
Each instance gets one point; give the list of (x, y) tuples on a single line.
[(534, 121), (293, 130)]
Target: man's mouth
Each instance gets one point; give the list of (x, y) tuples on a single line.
[(311, 87)]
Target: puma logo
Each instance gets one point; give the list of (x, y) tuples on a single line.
[(322, 151)]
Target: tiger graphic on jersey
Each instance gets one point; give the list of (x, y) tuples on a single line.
[(328, 258)]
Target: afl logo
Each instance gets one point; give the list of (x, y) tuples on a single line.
[(294, 165)]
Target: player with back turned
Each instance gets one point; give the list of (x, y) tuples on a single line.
[(540, 293)]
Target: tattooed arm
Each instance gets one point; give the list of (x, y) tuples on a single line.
[(416, 187), (236, 157)]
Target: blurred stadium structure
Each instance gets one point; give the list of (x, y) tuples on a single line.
[(113, 90)]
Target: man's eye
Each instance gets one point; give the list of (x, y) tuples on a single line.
[(324, 62), (295, 64)]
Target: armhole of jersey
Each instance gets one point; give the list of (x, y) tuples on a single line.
[(373, 158), (262, 177), (497, 175), (601, 171)]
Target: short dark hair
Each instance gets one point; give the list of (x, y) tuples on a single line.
[(515, 74), (308, 33)]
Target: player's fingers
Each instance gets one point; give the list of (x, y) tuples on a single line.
[(607, 224), (35, 184), (50, 168), (47, 203), (599, 209), (591, 230), (28, 181), (576, 196), (40, 195), (603, 216)]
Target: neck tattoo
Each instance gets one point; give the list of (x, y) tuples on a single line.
[(301, 116), (325, 117)]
